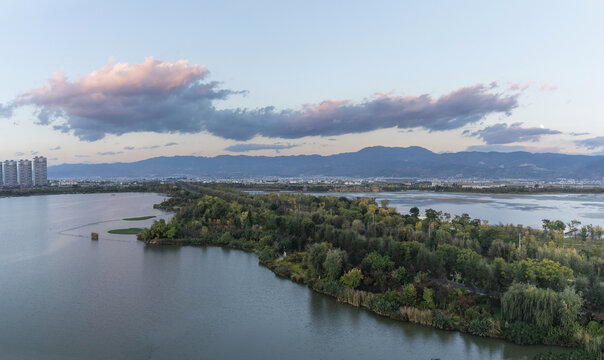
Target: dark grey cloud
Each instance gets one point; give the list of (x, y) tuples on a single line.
[(591, 143), (578, 133), (165, 97), (504, 134), (254, 147), (330, 118), (171, 144), (142, 147)]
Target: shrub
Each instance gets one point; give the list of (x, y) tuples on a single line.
[(522, 333), (478, 327), (282, 271), (332, 288), (381, 305), (267, 255), (442, 321)]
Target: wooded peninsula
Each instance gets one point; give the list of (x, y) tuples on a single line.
[(529, 286)]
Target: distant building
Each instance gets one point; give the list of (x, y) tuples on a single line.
[(1, 176), (25, 178), (10, 173), (40, 169)]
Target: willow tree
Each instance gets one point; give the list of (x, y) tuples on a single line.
[(530, 304)]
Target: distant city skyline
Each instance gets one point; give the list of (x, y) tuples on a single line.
[(273, 78), (24, 172)]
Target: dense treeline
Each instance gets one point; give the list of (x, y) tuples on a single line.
[(89, 189), (451, 187), (451, 272)]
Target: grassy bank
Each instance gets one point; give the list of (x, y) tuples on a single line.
[(128, 231)]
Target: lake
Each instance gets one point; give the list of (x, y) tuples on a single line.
[(64, 296), (515, 209)]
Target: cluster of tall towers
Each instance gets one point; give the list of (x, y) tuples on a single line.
[(24, 173)]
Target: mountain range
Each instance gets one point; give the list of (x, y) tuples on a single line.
[(378, 161)]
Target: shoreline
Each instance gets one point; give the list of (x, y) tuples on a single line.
[(355, 298)]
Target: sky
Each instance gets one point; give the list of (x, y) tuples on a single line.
[(103, 81)]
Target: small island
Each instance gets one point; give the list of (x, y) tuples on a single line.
[(140, 218), (128, 231)]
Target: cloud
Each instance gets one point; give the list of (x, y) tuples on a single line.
[(154, 96), (6, 111), (171, 97), (549, 87), (33, 152), (591, 143), (81, 156), (19, 153), (109, 153), (578, 133), (513, 148), (256, 147), (503, 133), (523, 87), (55, 148), (337, 117), (142, 148), (171, 144)]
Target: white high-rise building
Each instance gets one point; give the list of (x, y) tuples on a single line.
[(10, 173), (40, 168), (25, 178)]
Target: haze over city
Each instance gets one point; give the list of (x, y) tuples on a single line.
[(109, 81)]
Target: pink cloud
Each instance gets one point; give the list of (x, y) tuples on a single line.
[(170, 97)]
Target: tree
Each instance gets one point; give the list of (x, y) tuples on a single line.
[(400, 274), (352, 278), (545, 273), (316, 257), (408, 295), (377, 262), (414, 212), (527, 303), (334, 263), (428, 302)]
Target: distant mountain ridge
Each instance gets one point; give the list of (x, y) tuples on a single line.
[(378, 161)]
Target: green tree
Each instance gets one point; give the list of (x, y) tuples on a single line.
[(408, 295), (400, 274), (334, 263), (428, 297), (377, 262), (352, 278), (316, 257)]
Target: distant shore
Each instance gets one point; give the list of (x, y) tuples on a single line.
[(155, 186)]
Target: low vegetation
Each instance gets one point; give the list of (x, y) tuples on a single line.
[(447, 271), (140, 218), (129, 231)]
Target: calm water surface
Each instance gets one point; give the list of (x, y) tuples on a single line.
[(527, 210), (63, 296)]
